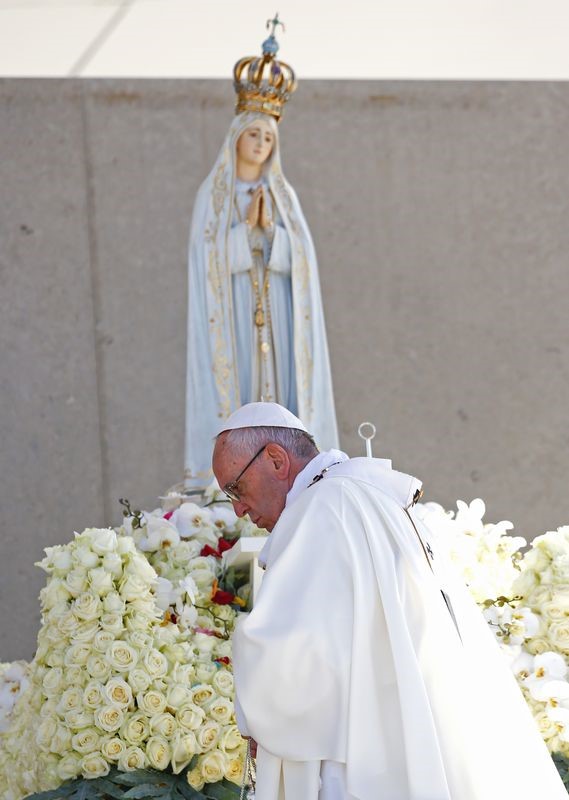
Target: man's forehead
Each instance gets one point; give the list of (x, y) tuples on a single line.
[(224, 455)]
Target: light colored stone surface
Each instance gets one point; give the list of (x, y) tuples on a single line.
[(439, 216), (50, 455)]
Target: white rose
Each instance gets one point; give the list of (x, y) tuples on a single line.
[(101, 581), (133, 587), (83, 556), (86, 631), (190, 716), (546, 725), (223, 682), (93, 695), (538, 645), (204, 643), (141, 640), (114, 604), (235, 769), (195, 779), (112, 622), (76, 581), (52, 682), (140, 621), (231, 739), (139, 680), (78, 719), (125, 545), (205, 671), (184, 746), (185, 551), (102, 640), (77, 655), (151, 702), (158, 752), (122, 657), (163, 724), (112, 749), (202, 693), (132, 758), (112, 562), (69, 767), (75, 676), (183, 673), (54, 593), (221, 710), (61, 740), (139, 566), (557, 608), (207, 735), (86, 741), (94, 766), (135, 729), (213, 766), (223, 648), (558, 634), (87, 606), (61, 559), (560, 568), (178, 695), (118, 692), (109, 718), (53, 658), (70, 700), (46, 731), (98, 667), (156, 663), (103, 540)]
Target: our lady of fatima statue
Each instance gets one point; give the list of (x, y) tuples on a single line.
[(255, 320)]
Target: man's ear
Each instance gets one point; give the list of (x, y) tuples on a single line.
[(280, 460)]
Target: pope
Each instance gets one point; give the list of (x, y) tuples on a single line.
[(364, 671)]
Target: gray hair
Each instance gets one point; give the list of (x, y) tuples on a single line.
[(297, 443)]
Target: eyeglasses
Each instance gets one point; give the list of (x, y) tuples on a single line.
[(230, 488)]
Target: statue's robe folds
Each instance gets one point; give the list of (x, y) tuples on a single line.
[(350, 672)]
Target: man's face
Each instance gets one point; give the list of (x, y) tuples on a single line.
[(263, 487)]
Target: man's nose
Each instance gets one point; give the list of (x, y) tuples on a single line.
[(240, 507)]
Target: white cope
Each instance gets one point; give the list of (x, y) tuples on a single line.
[(350, 673)]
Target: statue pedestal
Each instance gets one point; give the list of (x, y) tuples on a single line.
[(246, 551)]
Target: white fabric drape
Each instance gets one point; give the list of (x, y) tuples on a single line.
[(350, 655)]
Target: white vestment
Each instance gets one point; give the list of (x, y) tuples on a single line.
[(350, 667)]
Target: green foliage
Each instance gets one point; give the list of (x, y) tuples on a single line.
[(562, 764), (138, 785)]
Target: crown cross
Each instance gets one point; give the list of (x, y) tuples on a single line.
[(274, 22)]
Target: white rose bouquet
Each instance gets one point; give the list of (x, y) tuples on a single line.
[(132, 672)]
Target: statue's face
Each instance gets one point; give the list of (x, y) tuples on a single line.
[(255, 144)]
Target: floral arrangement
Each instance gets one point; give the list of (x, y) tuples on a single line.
[(525, 599), (133, 678), (133, 665)]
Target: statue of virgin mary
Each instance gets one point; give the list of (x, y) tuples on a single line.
[(255, 320)]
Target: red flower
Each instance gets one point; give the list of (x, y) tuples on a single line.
[(222, 546)]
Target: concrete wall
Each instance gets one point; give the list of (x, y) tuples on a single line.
[(439, 212)]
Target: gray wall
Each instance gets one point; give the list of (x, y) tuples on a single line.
[(439, 212)]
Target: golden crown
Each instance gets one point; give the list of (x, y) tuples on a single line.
[(261, 82)]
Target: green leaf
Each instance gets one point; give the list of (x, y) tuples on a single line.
[(224, 790), (147, 790)]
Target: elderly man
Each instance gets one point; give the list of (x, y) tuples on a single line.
[(364, 672)]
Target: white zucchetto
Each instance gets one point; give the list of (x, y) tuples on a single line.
[(255, 415)]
